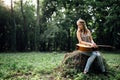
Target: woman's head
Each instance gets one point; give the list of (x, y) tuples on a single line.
[(82, 25)]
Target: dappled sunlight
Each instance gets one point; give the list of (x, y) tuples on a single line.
[(7, 3)]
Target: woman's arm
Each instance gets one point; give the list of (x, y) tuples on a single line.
[(80, 40), (92, 41)]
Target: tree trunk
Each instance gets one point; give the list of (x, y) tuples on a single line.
[(13, 31), (25, 31), (37, 28)]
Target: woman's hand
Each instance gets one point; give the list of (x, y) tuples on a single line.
[(93, 45)]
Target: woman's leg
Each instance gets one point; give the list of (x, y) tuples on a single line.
[(100, 61), (89, 62)]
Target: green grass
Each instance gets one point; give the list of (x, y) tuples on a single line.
[(28, 65), (112, 58), (39, 65)]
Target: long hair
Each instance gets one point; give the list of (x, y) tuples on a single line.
[(85, 29)]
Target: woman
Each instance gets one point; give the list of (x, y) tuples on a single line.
[(84, 37)]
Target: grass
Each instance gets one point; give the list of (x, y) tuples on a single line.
[(39, 65), (27, 65), (112, 58)]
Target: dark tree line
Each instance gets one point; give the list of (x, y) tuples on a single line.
[(51, 25)]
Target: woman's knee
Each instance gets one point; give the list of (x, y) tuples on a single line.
[(96, 53)]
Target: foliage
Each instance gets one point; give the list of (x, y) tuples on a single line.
[(19, 32)]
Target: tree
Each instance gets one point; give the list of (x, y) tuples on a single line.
[(37, 28), (106, 21), (5, 29), (53, 25), (13, 30), (25, 29), (112, 22)]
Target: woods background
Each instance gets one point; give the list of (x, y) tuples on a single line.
[(50, 25)]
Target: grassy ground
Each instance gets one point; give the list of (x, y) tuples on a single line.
[(40, 65)]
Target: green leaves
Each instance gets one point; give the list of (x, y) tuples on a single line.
[(57, 22)]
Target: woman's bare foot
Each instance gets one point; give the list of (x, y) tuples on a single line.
[(85, 72)]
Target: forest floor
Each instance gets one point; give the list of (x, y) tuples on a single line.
[(41, 65)]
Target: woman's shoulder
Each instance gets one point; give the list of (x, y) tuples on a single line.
[(88, 31)]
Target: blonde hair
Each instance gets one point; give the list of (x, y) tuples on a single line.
[(85, 29)]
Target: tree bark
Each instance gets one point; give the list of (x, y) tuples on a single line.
[(13, 31), (25, 31), (37, 28)]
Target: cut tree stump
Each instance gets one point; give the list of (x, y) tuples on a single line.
[(75, 62)]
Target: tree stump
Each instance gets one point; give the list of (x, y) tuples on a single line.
[(75, 62)]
